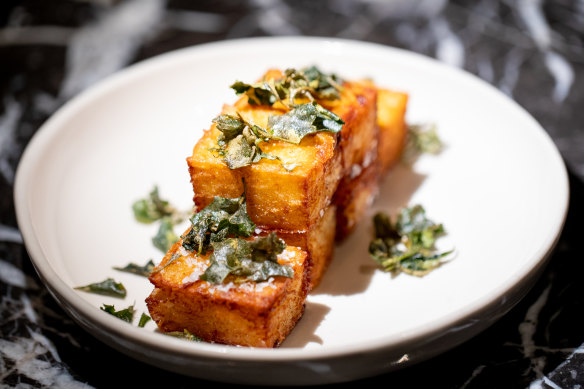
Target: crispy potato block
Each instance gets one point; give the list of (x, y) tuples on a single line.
[(318, 241), (353, 198), (237, 312), (391, 110), (359, 111), (323, 197), (357, 190), (278, 198)]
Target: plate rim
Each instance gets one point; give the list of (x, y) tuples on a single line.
[(61, 291)]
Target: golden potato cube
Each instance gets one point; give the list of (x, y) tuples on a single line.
[(236, 312), (318, 241), (354, 196), (391, 110), (357, 190), (359, 111), (278, 198)]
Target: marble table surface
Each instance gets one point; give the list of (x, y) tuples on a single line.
[(532, 50)]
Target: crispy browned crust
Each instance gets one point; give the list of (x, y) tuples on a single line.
[(317, 241), (272, 191), (391, 111), (354, 196), (358, 189), (248, 314), (323, 198)]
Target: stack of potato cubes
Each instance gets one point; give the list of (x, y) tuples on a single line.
[(310, 194)]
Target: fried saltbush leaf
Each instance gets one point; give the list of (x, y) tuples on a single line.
[(185, 334), (220, 227), (165, 237), (109, 287), (239, 141), (259, 93), (152, 208), (255, 260), (222, 218), (305, 119), (324, 86), (124, 314), (143, 320), (308, 82), (422, 139), (409, 244), (137, 269)]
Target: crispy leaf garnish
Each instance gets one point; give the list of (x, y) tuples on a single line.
[(239, 142), (229, 125), (409, 244), (255, 260), (172, 259), (258, 94), (185, 334), (303, 120), (124, 314), (143, 320), (308, 82), (152, 208), (422, 138), (137, 269), (109, 287), (223, 217), (220, 227), (324, 86), (165, 237)]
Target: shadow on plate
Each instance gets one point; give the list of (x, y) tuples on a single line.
[(304, 333), (351, 269)]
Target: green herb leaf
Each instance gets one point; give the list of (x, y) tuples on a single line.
[(137, 269), (124, 314), (308, 82), (143, 320), (240, 153), (173, 258), (227, 257), (219, 226), (165, 237), (185, 334), (152, 208), (324, 86), (409, 244), (221, 218), (109, 287), (258, 94), (421, 139), (239, 142), (229, 125), (419, 264), (305, 119), (255, 260)]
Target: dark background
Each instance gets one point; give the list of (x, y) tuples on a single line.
[(531, 50)]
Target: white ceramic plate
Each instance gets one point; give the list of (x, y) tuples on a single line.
[(499, 187)]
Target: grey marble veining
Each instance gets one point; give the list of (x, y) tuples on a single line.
[(532, 50)]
